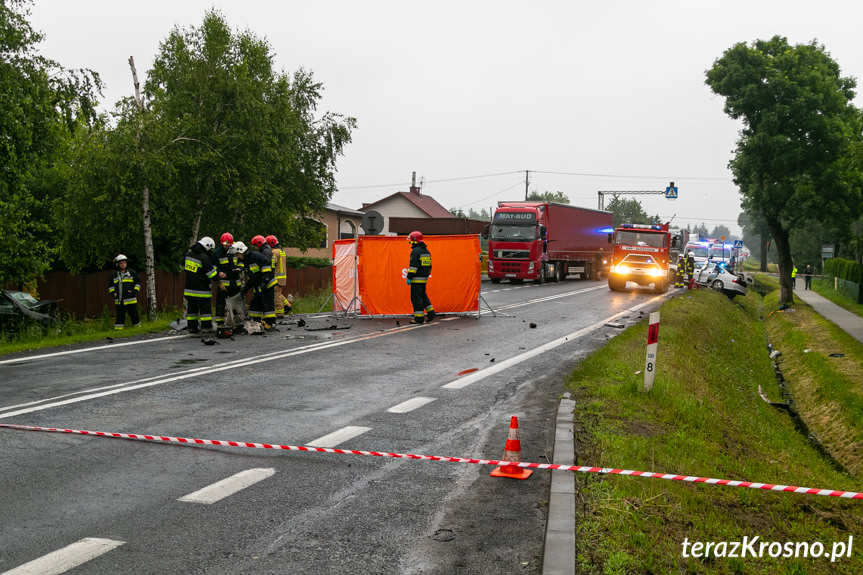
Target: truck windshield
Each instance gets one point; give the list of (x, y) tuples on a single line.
[(508, 233), (639, 238)]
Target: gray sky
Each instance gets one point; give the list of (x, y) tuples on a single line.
[(588, 96)]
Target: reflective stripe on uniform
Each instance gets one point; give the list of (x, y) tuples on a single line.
[(197, 293)]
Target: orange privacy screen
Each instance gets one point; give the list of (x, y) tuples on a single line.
[(376, 277)]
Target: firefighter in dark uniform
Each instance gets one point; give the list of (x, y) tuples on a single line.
[(224, 264), (419, 272), (200, 272), (124, 285), (681, 269), (262, 283), (690, 268)]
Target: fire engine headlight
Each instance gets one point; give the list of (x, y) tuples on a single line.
[(655, 272), (490, 266), (615, 269), (530, 267)]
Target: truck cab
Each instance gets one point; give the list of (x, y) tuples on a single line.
[(641, 254)]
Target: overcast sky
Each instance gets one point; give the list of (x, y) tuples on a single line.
[(587, 96)]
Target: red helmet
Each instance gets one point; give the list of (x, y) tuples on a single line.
[(227, 239), (273, 241), (415, 237), (258, 241)]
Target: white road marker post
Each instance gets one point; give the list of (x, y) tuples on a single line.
[(652, 344)]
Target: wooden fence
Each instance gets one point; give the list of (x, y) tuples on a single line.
[(87, 295)]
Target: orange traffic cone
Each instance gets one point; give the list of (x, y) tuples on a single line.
[(512, 454)]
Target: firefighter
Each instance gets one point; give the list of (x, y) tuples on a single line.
[(280, 302), (224, 263), (690, 268), (418, 275), (124, 286), (200, 272), (678, 275), (234, 304), (262, 283)]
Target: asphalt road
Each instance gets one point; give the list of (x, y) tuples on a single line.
[(134, 507)]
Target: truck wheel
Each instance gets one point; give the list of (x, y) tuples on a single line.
[(541, 278), (561, 273), (495, 280), (615, 284), (660, 287)]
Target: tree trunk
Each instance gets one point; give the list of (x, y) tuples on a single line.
[(149, 255), (783, 251), (764, 241)]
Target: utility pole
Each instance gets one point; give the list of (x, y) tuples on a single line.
[(526, 182)]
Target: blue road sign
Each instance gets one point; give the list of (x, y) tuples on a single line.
[(671, 192), (738, 244)]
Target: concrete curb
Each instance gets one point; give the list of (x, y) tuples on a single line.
[(558, 557)]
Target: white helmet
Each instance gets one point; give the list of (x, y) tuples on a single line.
[(120, 258), (238, 248), (208, 243)]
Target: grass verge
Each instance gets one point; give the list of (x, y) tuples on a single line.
[(70, 331), (704, 417)]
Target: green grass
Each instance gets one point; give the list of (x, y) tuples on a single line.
[(312, 302), (703, 417)]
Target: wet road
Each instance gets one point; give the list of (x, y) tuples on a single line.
[(364, 384)]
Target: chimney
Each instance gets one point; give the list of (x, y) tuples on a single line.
[(414, 188)]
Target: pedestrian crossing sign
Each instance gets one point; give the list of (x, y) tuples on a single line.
[(671, 192)]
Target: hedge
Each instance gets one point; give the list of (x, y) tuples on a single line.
[(844, 269)]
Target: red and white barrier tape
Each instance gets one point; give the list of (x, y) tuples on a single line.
[(494, 462)]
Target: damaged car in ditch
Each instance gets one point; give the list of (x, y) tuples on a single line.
[(716, 277)]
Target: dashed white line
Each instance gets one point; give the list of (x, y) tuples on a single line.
[(228, 486), (479, 375), (67, 558), (335, 438), (411, 404)]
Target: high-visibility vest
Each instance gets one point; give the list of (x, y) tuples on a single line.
[(280, 266)]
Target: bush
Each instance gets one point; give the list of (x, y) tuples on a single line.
[(844, 269)]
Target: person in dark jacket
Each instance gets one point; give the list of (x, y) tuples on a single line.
[(225, 264), (678, 274), (200, 273), (690, 268), (418, 275), (124, 286), (807, 277), (262, 283)]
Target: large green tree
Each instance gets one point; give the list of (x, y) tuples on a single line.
[(792, 162), (40, 104), (628, 212), (219, 141), (546, 196)]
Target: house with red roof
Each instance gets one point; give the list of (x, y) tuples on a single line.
[(410, 204)]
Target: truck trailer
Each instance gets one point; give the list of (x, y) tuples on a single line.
[(541, 241)]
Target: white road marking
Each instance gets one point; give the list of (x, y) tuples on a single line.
[(335, 438), (198, 371), (411, 404), (98, 348), (498, 367), (67, 558), (228, 486)]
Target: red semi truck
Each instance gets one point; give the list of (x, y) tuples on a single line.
[(645, 254), (543, 241)]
